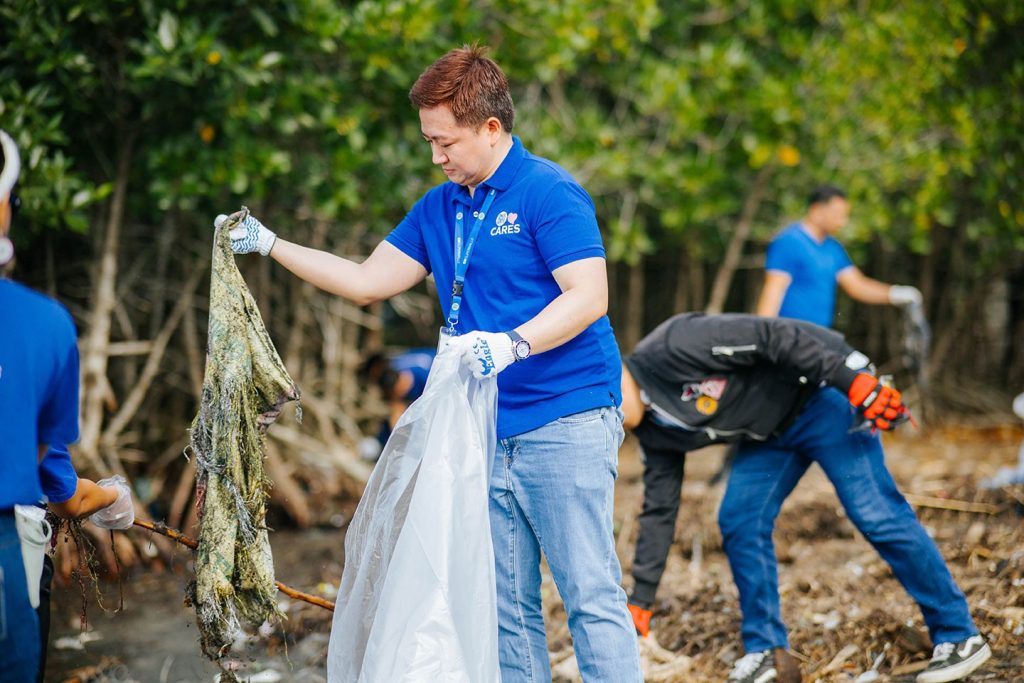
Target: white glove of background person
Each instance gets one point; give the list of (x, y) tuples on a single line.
[(121, 513), (249, 236), (485, 353), (904, 295)]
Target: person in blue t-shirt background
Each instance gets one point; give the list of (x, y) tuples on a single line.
[(513, 244), (38, 408), (805, 262), (401, 379)]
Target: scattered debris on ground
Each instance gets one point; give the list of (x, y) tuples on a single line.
[(850, 621)]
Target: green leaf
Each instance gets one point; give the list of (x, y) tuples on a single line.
[(267, 25)]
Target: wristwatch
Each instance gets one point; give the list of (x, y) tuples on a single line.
[(520, 347)]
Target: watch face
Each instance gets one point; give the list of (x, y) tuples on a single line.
[(522, 349)]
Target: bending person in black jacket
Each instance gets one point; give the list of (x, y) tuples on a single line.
[(791, 393)]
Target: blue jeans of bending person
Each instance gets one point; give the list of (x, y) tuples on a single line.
[(552, 492), (764, 474), (19, 625)]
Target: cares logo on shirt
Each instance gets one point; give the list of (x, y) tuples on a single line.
[(505, 224)]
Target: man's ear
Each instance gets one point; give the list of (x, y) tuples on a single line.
[(494, 129)]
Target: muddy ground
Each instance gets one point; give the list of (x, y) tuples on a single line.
[(845, 611)]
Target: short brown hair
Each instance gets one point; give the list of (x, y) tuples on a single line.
[(470, 83)]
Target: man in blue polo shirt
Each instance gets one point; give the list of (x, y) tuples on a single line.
[(805, 262), (513, 243)]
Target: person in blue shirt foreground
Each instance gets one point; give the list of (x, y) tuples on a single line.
[(805, 262), (513, 243), (401, 379), (38, 407), (791, 394)]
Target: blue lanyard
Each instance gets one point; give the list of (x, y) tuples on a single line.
[(462, 257)]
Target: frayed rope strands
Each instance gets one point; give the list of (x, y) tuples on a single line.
[(244, 387)]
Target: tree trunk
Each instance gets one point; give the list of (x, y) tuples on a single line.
[(681, 302), (635, 306), (95, 386), (723, 279), (697, 281), (139, 390)]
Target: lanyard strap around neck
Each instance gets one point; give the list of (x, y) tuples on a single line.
[(462, 255)]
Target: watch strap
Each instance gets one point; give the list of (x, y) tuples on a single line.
[(517, 342)]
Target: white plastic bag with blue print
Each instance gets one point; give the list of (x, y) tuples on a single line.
[(417, 600)]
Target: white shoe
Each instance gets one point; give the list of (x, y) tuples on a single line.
[(755, 667), (954, 661)]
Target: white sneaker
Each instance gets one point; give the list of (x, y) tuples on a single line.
[(954, 661), (755, 667)]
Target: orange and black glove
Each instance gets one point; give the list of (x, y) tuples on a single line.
[(880, 405), (641, 619)]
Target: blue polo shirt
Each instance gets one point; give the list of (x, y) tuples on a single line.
[(38, 387), (813, 267), (541, 220)]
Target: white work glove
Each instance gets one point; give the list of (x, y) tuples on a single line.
[(121, 513), (248, 236), (485, 353), (904, 295)]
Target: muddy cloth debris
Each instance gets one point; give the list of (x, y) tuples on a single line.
[(244, 389)]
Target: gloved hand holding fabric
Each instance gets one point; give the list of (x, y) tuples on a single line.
[(249, 235)]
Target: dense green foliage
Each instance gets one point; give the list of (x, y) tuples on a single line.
[(669, 112)]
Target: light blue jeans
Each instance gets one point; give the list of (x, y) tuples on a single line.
[(552, 491), (19, 623), (765, 473)]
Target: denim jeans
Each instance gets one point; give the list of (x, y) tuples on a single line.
[(764, 474), (552, 492), (19, 625)]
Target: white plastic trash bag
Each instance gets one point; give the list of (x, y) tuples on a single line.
[(417, 598)]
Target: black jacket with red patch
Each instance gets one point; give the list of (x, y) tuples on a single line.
[(709, 379)]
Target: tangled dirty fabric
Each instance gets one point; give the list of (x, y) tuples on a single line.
[(244, 388)]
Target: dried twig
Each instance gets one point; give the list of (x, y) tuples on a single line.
[(839, 659), (181, 538), (949, 504)]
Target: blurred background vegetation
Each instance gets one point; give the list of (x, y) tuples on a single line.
[(698, 128)]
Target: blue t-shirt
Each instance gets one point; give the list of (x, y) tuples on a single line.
[(57, 474), (541, 219), (812, 267), (417, 362), (38, 387)]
